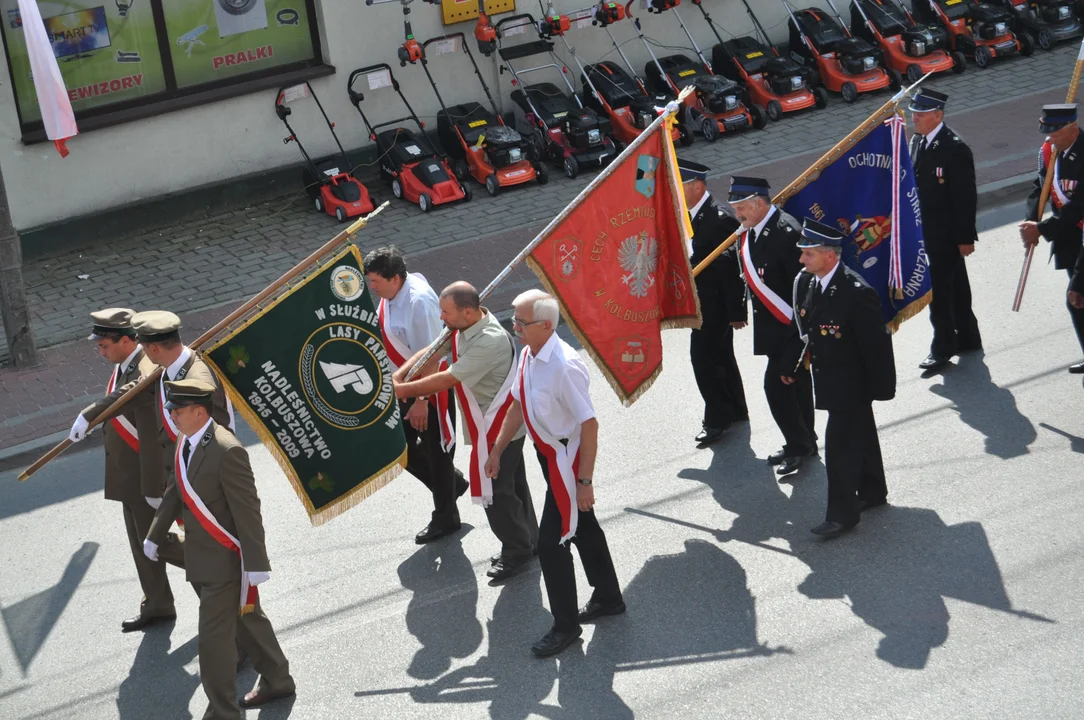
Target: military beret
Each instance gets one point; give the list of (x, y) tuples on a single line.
[(155, 325), (182, 393), (692, 170), (111, 322), (743, 188), (815, 234), (1055, 117), (926, 100)]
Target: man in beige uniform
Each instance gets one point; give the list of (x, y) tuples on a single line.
[(481, 374), (225, 555), (133, 459)]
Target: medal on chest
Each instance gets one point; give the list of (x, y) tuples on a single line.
[(830, 330), (940, 172)]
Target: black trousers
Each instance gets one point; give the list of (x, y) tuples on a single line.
[(954, 325), (430, 464), (556, 561), (1076, 315), (511, 515), (853, 461), (717, 375), (791, 405)]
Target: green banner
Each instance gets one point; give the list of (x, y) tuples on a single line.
[(310, 375)]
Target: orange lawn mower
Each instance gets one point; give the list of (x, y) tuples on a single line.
[(716, 106), (908, 47), (978, 30), (844, 64)]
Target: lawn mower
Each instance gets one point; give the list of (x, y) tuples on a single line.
[(845, 64), (329, 183), (775, 83), (480, 144), (716, 105), (908, 47), (416, 172), (557, 125), (978, 30), (1046, 21)]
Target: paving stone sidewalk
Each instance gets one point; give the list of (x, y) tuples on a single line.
[(216, 262)]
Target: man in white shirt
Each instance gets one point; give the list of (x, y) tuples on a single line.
[(552, 398), (409, 322)]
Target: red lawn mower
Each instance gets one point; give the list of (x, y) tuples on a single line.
[(328, 182), (845, 64), (416, 172), (908, 47), (978, 30)]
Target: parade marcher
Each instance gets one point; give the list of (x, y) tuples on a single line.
[(1064, 226), (767, 254), (722, 309), (948, 198), (225, 555), (134, 474), (409, 313), (481, 375), (840, 321), (552, 398)]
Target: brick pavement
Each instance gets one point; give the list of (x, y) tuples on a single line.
[(225, 258)]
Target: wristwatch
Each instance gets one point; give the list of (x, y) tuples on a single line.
[(586, 482)]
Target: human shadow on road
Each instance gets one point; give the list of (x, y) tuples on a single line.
[(897, 568), (30, 621), (53, 484), (158, 686), (442, 614), (986, 407)]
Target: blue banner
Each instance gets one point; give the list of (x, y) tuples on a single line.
[(870, 194)]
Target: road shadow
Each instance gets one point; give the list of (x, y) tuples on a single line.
[(57, 482), (30, 621), (1076, 443), (442, 613), (897, 568), (986, 407), (158, 686)]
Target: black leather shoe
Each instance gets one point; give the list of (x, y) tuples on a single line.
[(707, 436), (462, 485), (554, 642), (777, 457), (790, 464), (594, 610), (933, 362), (831, 529), (431, 533), (504, 569), (871, 504), (143, 621), (1077, 369), (495, 559)]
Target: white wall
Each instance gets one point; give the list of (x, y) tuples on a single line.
[(212, 143)]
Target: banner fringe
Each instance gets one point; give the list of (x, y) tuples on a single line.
[(910, 311), (360, 493)]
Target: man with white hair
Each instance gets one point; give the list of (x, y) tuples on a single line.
[(552, 398)]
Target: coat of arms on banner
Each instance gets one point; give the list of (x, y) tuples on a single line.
[(639, 256), (566, 257), (645, 175)]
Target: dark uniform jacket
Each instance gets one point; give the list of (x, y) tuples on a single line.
[(721, 292), (131, 476), (849, 346), (947, 194), (774, 254), (220, 474), (1062, 227)]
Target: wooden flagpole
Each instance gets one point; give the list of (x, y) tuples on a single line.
[(880, 115), (267, 292), (1048, 183)]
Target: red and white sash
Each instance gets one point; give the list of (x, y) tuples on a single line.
[(167, 422), (121, 424), (776, 305), (1060, 198), (562, 461), (487, 424), (399, 353), (210, 524)]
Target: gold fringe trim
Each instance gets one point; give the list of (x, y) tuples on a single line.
[(245, 610), (910, 311), (361, 492)]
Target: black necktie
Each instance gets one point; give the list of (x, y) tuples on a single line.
[(816, 291), (920, 148), (752, 236), (185, 452)]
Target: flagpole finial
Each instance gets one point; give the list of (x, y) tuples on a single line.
[(906, 91)]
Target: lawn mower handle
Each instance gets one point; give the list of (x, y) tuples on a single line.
[(522, 16), (459, 35)]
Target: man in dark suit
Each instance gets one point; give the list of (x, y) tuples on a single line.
[(1063, 227), (948, 198), (839, 318), (722, 308), (767, 255)]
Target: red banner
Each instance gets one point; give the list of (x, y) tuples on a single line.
[(618, 265)]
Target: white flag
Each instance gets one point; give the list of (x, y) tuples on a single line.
[(56, 108)]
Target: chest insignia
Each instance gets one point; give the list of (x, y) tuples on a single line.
[(832, 330), (207, 436), (802, 312)]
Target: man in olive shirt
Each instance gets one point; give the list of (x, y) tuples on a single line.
[(482, 372)]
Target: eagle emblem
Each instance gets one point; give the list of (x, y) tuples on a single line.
[(638, 256)]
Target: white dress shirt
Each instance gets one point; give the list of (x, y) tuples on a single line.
[(933, 134), (193, 442), (173, 369), (414, 314), (128, 360), (827, 277), (693, 212), (560, 396), (759, 227)]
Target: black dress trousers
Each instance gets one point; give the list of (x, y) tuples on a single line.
[(428, 462), (954, 325), (717, 375), (853, 462)]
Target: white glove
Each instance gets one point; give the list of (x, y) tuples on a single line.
[(255, 578), (79, 429), (150, 550), (153, 502)]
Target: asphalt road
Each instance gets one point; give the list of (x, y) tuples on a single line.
[(961, 599)]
